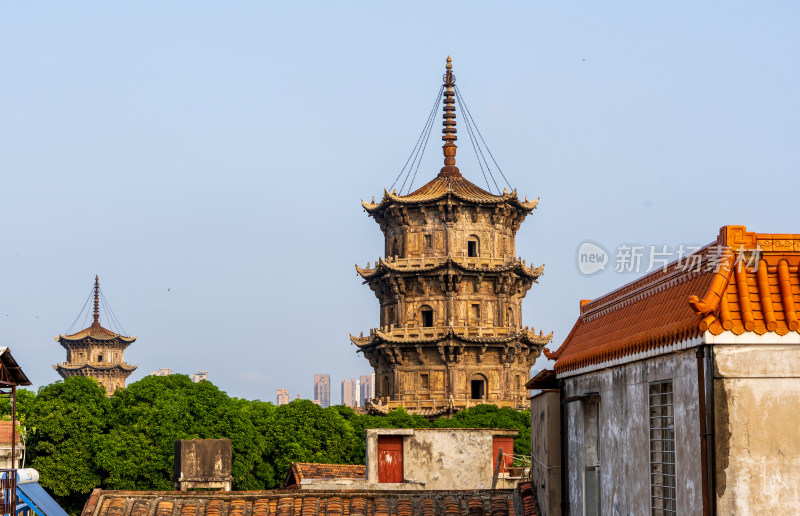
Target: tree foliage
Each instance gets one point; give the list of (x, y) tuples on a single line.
[(70, 418), (80, 439)]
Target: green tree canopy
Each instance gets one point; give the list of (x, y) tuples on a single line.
[(70, 417), (81, 439)]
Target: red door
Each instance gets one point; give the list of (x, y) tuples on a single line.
[(390, 459), (507, 444)]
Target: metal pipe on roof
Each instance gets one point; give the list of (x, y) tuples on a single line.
[(701, 392), (564, 451)]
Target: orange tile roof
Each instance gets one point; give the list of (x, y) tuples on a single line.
[(666, 307), (455, 185), (313, 503), (96, 332)]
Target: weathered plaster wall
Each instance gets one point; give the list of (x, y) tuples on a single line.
[(546, 451), (757, 428), (623, 447), (449, 459)]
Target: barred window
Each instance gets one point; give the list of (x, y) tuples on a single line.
[(662, 449)]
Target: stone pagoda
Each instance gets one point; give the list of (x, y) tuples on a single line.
[(450, 291), (96, 352)]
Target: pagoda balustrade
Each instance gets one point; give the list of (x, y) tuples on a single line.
[(414, 332), (433, 261)]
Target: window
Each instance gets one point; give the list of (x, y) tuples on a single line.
[(99, 357), (478, 387), (510, 317), (662, 449), (424, 381), (428, 241), (476, 311), (427, 317), (472, 246), (390, 315)]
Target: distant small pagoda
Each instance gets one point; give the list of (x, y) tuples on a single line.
[(96, 352)]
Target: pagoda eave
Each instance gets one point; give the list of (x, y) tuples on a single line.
[(450, 193), (384, 267), (126, 368), (71, 338), (377, 338)]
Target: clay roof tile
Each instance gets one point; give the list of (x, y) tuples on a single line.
[(665, 306)]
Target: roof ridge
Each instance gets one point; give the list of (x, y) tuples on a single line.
[(651, 278)]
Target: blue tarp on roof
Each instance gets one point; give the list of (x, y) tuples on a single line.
[(39, 500)]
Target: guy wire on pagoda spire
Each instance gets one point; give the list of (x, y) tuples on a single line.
[(449, 132), (450, 95), (96, 301)]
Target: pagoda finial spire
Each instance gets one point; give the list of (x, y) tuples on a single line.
[(449, 131), (96, 301)]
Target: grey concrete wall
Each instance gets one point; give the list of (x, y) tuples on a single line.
[(623, 444), (450, 459), (546, 451), (757, 428)]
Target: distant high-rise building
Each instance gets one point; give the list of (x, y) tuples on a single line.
[(322, 390), (283, 396), (350, 392), (199, 376), (162, 371), (367, 388)]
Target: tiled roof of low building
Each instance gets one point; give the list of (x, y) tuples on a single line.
[(544, 379), (311, 503), (307, 470), (10, 371), (742, 282)]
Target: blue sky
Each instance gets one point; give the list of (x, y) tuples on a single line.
[(207, 159)]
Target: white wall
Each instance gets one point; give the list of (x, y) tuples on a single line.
[(624, 448)]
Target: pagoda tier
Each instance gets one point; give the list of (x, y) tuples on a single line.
[(96, 352), (450, 291), (432, 370)]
